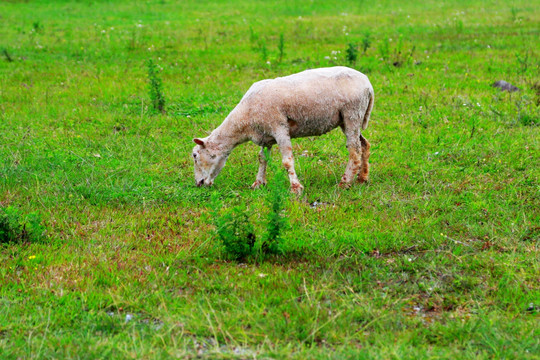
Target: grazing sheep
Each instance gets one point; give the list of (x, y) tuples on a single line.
[(273, 111)]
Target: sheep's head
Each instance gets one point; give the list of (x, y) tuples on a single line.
[(208, 162)]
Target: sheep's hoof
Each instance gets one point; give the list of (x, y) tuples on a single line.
[(344, 185), (297, 188), (257, 184), (363, 179)]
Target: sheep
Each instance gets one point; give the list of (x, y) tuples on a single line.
[(310, 103)]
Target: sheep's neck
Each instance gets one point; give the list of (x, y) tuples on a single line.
[(229, 134)]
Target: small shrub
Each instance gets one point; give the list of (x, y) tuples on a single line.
[(36, 25), (366, 41), (6, 54), (397, 56), (352, 53), (528, 119), (526, 115), (401, 56), (253, 38), (276, 200), (155, 87), (281, 46), (263, 50), (18, 228), (234, 231), (523, 63)]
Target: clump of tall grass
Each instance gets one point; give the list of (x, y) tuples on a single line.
[(398, 55), (235, 231), (366, 42), (264, 50), (7, 55), (155, 87), (352, 53), (281, 46), (278, 191), (16, 227), (523, 62)]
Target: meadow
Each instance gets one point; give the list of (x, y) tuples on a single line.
[(115, 253)]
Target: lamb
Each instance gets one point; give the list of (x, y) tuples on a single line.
[(309, 103)]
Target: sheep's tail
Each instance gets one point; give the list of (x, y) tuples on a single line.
[(371, 95)]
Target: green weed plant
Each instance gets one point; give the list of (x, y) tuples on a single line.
[(235, 231), (366, 41), (352, 53), (155, 87), (276, 201), (16, 227), (281, 47)]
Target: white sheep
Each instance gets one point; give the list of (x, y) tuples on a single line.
[(273, 111)]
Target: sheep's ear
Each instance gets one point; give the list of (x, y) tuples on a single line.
[(199, 142)]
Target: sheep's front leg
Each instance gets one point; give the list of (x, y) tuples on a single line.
[(285, 147), (261, 175)]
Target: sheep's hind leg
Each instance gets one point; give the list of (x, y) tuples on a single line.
[(364, 171), (261, 175), (285, 147), (353, 166), (354, 145)]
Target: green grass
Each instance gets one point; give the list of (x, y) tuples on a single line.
[(436, 257)]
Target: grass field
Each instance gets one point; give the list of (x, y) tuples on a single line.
[(436, 257)]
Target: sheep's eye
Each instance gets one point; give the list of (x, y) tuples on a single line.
[(194, 155)]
